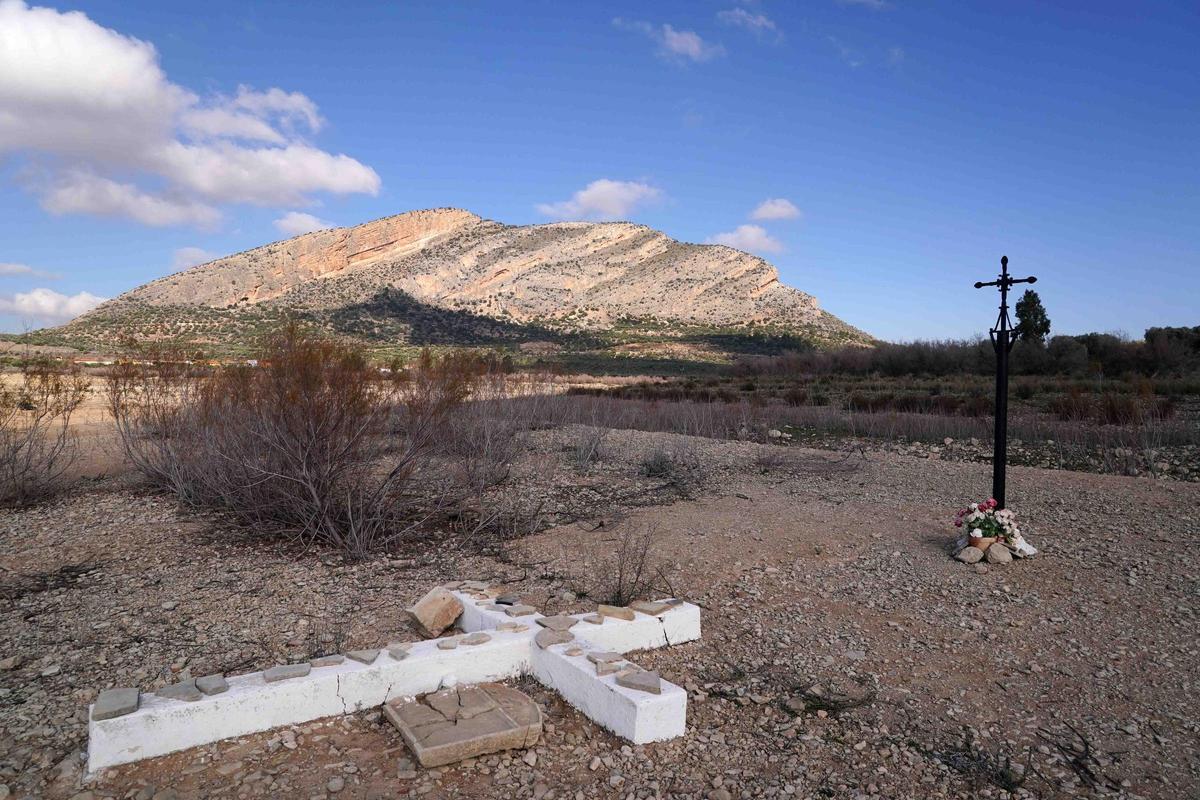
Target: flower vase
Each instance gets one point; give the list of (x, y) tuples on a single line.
[(982, 542)]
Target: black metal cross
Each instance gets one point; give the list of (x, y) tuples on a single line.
[(1003, 340)]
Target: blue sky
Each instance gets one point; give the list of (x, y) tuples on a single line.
[(914, 143)]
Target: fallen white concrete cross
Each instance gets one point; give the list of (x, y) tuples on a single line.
[(161, 725)]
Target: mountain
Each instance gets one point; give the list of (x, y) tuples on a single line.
[(447, 276)]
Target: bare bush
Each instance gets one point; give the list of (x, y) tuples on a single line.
[(678, 467), (590, 448), (633, 571), (37, 445), (312, 443)]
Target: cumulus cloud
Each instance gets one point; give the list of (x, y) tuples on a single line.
[(186, 257), (775, 208), (47, 304), (112, 135), (673, 44), (295, 223), (757, 23), (603, 199), (12, 270), (751, 238)]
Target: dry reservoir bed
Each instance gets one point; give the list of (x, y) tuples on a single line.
[(844, 654)]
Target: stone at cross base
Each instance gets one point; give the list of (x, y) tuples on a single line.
[(456, 724), (632, 703)]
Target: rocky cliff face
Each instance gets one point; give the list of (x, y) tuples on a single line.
[(566, 276)]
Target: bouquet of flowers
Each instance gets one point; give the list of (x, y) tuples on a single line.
[(986, 521)]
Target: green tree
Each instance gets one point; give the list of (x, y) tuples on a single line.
[(1032, 323)]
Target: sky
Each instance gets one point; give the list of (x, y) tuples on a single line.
[(883, 154)]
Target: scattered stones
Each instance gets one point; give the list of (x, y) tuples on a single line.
[(186, 690), (327, 661), (557, 623), (969, 555), (479, 637), (641, 681), (616, 612), (113, 703), (998, 554), (450, 726), (436, 611), (519, 610), (212, 684), (363, 656), (283, 672), (548, 637)]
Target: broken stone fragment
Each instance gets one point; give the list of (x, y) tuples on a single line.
[(448, 644), (398, 650), (557, 623), (616, 612), (283, 672), (509, 600), (476, 586), (548, 636), (436, 611), (520, 610), (604, 657), (181, 691), (327, 661), (594, 619), (969, 555), (514, 627), (116, 703), (651, 607), (641, 681), (573, 651), (212, 684), (608, 668), (450, 726), (363, 656), (479, 637)]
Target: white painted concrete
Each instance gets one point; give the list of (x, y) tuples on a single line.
[(251, 705)]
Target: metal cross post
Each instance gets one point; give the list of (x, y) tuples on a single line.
[(1002, 342)]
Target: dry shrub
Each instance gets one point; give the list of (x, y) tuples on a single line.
[(37, 445), (633, 571), (590, 448), (314, 442)]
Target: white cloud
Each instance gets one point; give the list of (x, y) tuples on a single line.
[(757, 23), (186, 257), (775, 208), (12, 270), (602, 199), (113, 135), (295, 223), (673, 44), (751, 238), (81, 192), (47, 304)]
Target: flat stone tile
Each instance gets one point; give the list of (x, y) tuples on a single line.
[(363, 656), (651, 607), (283, 672), (448, 644), (548, 637), (116, 703), (641, 680), (514, 627), (604, 657), (327, 661), (185, 690), (520, 610), (479, 637), (557, 623), (594, 619), (616, 612), (212, 684)]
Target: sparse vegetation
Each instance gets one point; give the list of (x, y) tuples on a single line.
[(37, 443)]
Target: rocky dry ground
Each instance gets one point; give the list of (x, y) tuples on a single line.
[(845, 654)]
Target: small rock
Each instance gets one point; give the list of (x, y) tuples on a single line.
[(641, 681), (336, 784), (212, 684), (283, 672), (436, 611), (186, 690), (115, 703), (616, 612), (530, 758), (10, 663), (557, 623), (363, 656), (547, 637), (998, 554), (970, 555)]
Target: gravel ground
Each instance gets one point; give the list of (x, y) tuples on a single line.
[(845, 654)]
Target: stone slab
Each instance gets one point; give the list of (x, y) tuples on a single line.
[(642, 681), (450, 726), (186, 690), (651, 607), (283, 672), (547, 637), (212, 684), (519, 610), (437, 610), (327, 661), (114, 703), (616, 612), (363, 656), (557, 623)]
